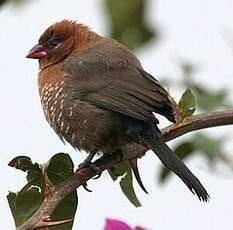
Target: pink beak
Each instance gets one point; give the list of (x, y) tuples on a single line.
[(37, 52)]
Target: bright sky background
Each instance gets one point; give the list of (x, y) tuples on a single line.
[(194, 29)]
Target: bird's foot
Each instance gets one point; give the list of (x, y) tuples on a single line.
[(87, 163)]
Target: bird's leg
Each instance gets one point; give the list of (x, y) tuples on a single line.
[(120, 160), (87, 163)]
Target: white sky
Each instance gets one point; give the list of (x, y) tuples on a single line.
[(194, 29)]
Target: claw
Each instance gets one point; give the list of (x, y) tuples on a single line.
[(134, 167), (87, 163), (97, 176), (85, 187)]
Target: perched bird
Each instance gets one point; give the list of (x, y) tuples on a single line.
[(96, 95)]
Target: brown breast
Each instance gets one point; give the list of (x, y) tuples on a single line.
[(53, 103), (72, 120)]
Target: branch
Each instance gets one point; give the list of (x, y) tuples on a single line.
[(197, 122), (82, 175)]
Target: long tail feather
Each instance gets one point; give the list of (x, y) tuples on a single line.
[(172, 162)]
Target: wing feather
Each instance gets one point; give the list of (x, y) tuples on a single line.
[(118, 85)]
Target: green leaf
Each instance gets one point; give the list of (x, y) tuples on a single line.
[(34, 173), (209, 146), (123, 171), (2, 1), (112, 173), (187, 104), (60, 167), (16, 2), (209, 100), (12, 197), (183, 150), (188, 69), (24, 203), (23, 163), (128, 24)]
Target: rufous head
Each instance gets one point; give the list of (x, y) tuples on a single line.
[(60, 40)]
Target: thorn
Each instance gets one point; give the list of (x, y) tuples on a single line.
[(46, 222), (134, 167)]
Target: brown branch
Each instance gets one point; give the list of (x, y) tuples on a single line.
[(197, 122), (82, 175)]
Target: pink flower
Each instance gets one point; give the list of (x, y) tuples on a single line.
[(119, 225)]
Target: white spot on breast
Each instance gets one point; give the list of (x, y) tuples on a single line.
[(81, 141), (57, 94), (67, 129), (51, 89), (71, 113), (80, 63), (73, 137), (47, 100), (43, 89), (59, 91), (52, 108), (53, 117), (62, 104), (62, 125), (59, 116), (46, 93)]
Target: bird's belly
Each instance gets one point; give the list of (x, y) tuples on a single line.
[(79, 123)]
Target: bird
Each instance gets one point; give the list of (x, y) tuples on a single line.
[(96, 95)]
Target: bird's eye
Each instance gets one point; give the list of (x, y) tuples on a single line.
[(54, 41)]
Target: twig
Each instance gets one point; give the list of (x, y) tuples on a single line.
[(197, 122), (82, 175)]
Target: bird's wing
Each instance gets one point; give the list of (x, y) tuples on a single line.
[(120, 87)]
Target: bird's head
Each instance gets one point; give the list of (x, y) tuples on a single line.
[(59, 41)]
